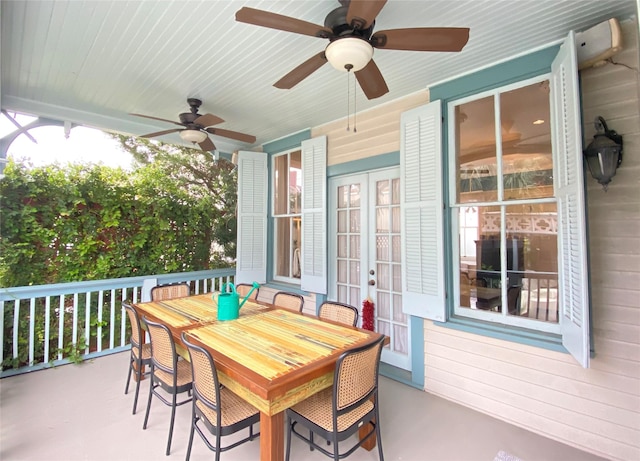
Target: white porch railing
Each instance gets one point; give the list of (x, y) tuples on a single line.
[(47, 325)]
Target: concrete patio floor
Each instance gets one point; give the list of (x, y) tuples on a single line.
[(80, 412)]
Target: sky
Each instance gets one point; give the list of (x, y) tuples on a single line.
[(84, 145)]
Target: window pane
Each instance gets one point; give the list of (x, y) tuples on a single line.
[(342, 246), (342, 271), (354, 249), (476, 151), (342, 196), (527, 166), (383, 194), (384, 277), (342, 221), (354, 272), (355, 195), (395, 191), (280, 184), (382, 219), (354, 221), (395, 219), (283, 245), (295, 182), (533, 290)]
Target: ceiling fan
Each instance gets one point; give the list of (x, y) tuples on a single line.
[(349, 29), (197, 127)]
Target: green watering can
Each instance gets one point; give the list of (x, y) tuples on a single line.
[(229, 301)]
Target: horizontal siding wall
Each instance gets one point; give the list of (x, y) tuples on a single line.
[(595, 409), (378, 131)]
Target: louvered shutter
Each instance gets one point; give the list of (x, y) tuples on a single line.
[(251, 256), (569, 186), (421, 210), (314, 215)]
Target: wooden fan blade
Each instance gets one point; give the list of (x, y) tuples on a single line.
[(207, 145), (301, 72), (157, 118), (422, 39), (362, 13), (280, 22), (160, 133), (208, 120), (232, 135), (371, 81)]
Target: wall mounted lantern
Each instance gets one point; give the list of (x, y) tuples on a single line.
[(604, 154)]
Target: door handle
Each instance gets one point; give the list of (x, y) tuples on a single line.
[(372, 282)]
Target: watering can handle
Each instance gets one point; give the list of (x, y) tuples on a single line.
[(254, 286), (223, 288)]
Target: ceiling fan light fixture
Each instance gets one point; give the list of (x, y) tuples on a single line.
[(194, 136), (349, 54)]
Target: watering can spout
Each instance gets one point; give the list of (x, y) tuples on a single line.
[(254, 286)]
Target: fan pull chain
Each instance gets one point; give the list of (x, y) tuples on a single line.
[(348, 100), (355, 96)]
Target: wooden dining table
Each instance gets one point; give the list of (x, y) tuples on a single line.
[(272, 358)]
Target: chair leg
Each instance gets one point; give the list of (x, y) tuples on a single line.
[(336, 451), (218, 444), (173, 416), (193, 427), (126, 389), (288, 438), (381, 456), (139, 377), (146, 416)]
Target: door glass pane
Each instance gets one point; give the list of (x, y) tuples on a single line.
[(342, 246), (355, 195), (382, 305), (383, 276), (382, 248), (395, 191), (397, 278), (396, 249), (384, 328), (354, 221), (475, 140), (527, 166), (400, 339), (354, 248), (342, 271), (383, 193), (342, 221), (398, 315), (354, 296), (395, 219), (382, 219), (342, 294), (342, 196), (354, 272)]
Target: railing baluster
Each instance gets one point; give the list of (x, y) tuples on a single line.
[(47, 326), (74, 336), (123, 321), (112, 319), (60, 326), (99, 332), (16, 326), (32, 329), (87, 321)]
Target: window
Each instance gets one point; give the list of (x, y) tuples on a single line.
[(287, 215), (503, 206)]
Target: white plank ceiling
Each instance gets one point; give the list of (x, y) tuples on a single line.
[(95, 62)]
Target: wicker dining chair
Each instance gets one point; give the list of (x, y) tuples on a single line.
[(170, 291), (244, 288), (338, 312), (220, 410), (338, 412), (140, 352), (169, 373), (290, 301)]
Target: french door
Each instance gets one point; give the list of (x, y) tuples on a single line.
[(365, 254)]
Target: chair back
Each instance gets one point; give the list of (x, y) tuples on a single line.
[(136, 329), (243, 290), (163, 348), (356, 376), (290, 301), (170, 291), (205, 377), (338, 312)]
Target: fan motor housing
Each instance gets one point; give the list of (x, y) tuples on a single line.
[(336, 20)]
